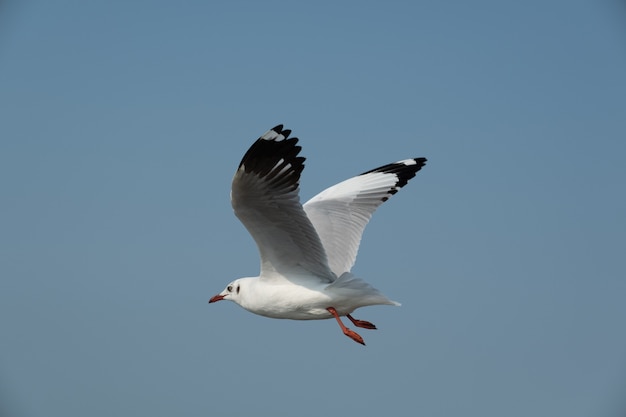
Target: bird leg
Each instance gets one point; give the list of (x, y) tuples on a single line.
[(350, 333), (361, 323)]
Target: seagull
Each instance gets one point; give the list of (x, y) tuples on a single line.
[(307, 251)]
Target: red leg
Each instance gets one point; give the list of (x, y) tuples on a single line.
[(361, 323), (350, 333)]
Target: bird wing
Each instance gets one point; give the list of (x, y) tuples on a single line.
[(341, 212), (265, 198)]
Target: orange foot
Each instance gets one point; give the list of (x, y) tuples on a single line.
[(361, 323), (354, 336), (350, 333)]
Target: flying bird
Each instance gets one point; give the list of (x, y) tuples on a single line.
[(307, 251)]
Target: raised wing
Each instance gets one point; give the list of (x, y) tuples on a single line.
[(341, 212), (265, 198)]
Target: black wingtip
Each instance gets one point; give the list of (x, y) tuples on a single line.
[(272, 152), (403, 170), (406, 172)]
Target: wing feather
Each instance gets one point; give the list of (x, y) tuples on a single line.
[(265, 197), (341, 212)]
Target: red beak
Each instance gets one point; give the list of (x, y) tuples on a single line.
[(216, 298)]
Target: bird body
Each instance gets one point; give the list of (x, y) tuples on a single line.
[(304, 299), (307, 251)]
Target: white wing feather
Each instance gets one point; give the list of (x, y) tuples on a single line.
[(341, 212)]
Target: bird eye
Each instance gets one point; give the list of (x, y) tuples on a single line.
[(230, 288), (238, 286)]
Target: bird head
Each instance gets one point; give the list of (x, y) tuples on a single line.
[(231, 292)]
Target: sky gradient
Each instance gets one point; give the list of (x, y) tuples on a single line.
[(122, 124)]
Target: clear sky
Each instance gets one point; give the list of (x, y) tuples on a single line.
[(122, 123)]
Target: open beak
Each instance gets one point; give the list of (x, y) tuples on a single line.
[(215, 298)]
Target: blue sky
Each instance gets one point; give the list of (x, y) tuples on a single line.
[(122, 125)]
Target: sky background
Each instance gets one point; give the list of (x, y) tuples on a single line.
[(122, 123)]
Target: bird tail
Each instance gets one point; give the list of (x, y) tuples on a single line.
[(353, 285)]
